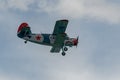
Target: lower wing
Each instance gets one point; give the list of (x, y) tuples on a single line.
[(55, 49)]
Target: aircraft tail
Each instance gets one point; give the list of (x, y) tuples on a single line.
[(23, 30)]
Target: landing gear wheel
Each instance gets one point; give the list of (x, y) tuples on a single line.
[(63, 53), (65, 48), (25, 42)]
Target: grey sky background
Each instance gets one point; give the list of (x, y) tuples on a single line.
[(96, 22)]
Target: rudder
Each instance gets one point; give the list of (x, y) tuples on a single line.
[(23, 30)]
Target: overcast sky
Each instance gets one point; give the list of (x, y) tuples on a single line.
[(96, 22)]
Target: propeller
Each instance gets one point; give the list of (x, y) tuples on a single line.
[(77, 41)]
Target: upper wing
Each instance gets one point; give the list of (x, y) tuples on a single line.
[(59, 31), (60, 27)]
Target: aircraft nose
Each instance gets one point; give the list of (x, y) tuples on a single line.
[(75, 41)]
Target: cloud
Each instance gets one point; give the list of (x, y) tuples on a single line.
[(74, 76), (100, 10), (4, 76), (104, 11), (15, 4), (94, 59)]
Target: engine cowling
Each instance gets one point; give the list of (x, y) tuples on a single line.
[(75, 42), (71, 42)]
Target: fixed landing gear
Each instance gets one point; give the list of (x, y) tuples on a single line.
[(63, 51), (65, 48), (25, 42)]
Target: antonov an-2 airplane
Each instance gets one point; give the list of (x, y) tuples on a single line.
[(58, 39)]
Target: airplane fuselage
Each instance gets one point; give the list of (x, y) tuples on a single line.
[(44, 39), (47, 39)]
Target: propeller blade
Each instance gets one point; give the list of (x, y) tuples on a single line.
[(77, 41)]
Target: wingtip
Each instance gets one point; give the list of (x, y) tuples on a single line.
[(63, 20)]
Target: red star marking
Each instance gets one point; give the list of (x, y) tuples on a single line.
[(38, 37)]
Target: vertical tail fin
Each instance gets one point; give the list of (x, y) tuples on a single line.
[(23, 30)]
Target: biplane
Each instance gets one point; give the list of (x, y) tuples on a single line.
[(59, 40)]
